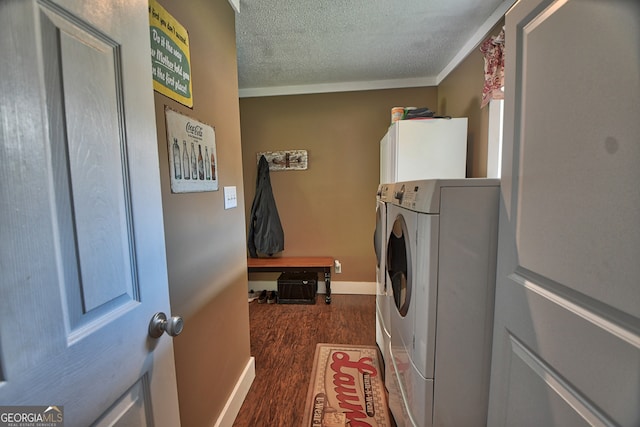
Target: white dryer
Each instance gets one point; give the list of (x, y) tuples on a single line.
[(383, 321), (440, 258)]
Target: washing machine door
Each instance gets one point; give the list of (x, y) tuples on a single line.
[(379, 246), (401, 232), (383, 322), (399, 264)]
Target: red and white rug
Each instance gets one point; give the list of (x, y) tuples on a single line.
[(346, 388)]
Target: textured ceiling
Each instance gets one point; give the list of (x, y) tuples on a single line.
[(305, 46)]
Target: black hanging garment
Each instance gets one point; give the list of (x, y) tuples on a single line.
[(265, 230)]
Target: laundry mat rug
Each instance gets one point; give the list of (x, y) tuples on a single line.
[(346, 388)]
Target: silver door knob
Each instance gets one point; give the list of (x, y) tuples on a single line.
[(160, 324)]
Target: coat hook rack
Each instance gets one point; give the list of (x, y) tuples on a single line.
[(285, 160)]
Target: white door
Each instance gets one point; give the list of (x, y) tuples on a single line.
[(566, 348), (82, 251)]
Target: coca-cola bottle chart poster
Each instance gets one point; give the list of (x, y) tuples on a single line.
[(192, 154)]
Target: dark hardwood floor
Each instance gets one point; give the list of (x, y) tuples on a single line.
[(283, 342)]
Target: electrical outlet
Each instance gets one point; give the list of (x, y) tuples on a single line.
[(337, 266), (230, 197)]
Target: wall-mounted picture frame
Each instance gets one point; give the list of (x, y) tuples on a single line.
[(192, 152)]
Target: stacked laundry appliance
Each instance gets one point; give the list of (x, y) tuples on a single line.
[(436, 276)]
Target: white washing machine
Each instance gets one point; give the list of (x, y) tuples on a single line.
[(440, 260), (383, 321)]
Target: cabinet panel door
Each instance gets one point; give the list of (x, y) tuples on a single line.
[(566, 347), (83, 254)]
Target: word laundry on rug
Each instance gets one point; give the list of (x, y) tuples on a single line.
[(346, 388)]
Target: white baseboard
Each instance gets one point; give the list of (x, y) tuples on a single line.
[(234, 403), (347, 288)]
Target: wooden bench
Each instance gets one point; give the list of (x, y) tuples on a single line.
[(318, 264)]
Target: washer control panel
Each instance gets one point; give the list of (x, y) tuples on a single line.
[(415, 195), (424, 195)]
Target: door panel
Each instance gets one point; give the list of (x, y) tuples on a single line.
[(571, 163), (131, 409), (566, 347), (100, 258), (533, 388), (83, 255), (580, 355)]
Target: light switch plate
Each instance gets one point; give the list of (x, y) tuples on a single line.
[(230, 197)]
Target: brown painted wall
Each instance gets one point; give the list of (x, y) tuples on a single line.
[(459, 95), (329, 209), (206, 244)]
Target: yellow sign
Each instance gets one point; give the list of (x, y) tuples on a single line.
[(170, 58)]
